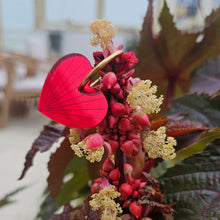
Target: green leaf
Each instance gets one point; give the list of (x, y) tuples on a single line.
[(169, 58), (76, 187), (193, 185), (7, 198), (198, 108), (205, 138), (206, 79)]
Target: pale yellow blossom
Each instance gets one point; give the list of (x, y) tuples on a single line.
[(91, 154), (104, 32), (143, 95), (104, 200), (74, 136), (156, 144)]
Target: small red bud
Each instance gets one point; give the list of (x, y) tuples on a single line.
[(103, 173), (95, 188), (136, 184), (125, 190), (135, 195), (108, 165), (128, 168), (94, 141), (141, 119), (115, 174), (127, 147), (143, 184), (118, 109), (114, 145), (116, 89), (115, 182), (124, 124), (135, 209), (112, 120), (120, 94), (126, 203), (109, 80)]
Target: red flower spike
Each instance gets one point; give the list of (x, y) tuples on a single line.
[(108, 165), (94, 141), (135, 209), (61, 99), (115, 174), (118, 109), (109, 80)]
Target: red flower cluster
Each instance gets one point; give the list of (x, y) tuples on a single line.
[(118, 130)]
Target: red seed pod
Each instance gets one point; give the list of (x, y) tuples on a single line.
[(115, 136), (114, 145), (108, 165), (135, 195), (125, 190), (114, 174), (112, 101), (122, 81), (141, 192), (122, 139), (126, 203), (136, 184), (116, 89), (118, 109), (94, 141), (112, 120), (109, 80), (103, 88), (103, 173), (124, 124), (141, 119), (128, 169), (143, 184), (120, 95), (115, 182), (129, 74), (95, 188), (135, 209), (127, 147)]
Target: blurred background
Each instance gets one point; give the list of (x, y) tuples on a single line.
[(33, 35)]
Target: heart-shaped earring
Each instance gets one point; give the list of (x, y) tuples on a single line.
[(62, 98)]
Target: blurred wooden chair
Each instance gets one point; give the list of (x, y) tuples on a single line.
[(26, 83)]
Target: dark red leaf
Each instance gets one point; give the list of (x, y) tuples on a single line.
[(44, 142), (56, 166), (65, 215), (85, 212), (179, 128)]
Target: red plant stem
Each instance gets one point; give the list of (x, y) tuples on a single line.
[(120, 159)]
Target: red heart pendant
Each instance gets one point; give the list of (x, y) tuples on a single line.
[(61, 99)]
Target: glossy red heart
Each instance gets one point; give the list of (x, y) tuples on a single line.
[(61, 99)]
